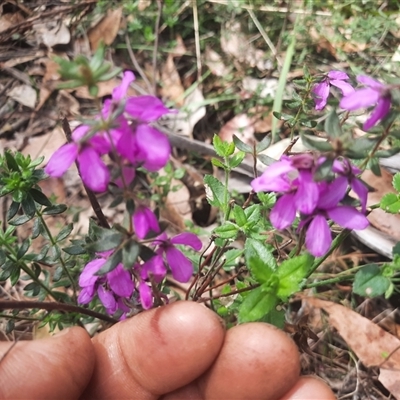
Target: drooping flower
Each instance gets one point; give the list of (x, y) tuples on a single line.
[(111, 287), (322, 89), (375, 94), (144, 221), (181, 267)]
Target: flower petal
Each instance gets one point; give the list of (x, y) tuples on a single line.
[(144, 221), (119, 92), (337, 75), (146, 108), (332, 193), (307, 194), (359, 99), (181, 267), (348, 217), (361, 191), (86, 295), (127, 145), (88, 277), (380, 112), (108, 300), (321, 94), (318, 236), (79, 132), (284, 212), (188, 239), (368, 81), (154, 267), (61, 160), (120, 281), (94, 172), (153, 146), (274, 177), (345, 87), (146, 297)]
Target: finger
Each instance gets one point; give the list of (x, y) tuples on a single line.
[(309, 388), (55, 368), (155, 352), (257, 361)]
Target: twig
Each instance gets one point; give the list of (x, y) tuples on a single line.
[(51, 306), (197, 39), (265, 36), (92, 197), (135, 63), (155, 49), (246, 289)]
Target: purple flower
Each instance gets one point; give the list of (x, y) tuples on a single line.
[(181, 267), (111, 287), (318, 235), (374, 94), (94, 172), (321, 90), (293, 177), (144, 222)]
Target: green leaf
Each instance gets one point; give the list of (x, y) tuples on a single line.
[(74, 250), (231, 257), (227, 231), (20, 220), (373, 165), (390, 203), (268, 200), (111, 263), (259, 260), (36, 228), (223, 149), (324, 170), (241, 145), (54, 210), (316, 144), (218, 163), (40, 197), (253, 213), (109, 240), (11, 163), (146, 253), (28, 206), (24, 248), (291, 273), (216, 197), (332, 125), (236, 159), (266, 160), (396, 249), (264, 144), (360, 148), (369, 281), (257, 304), (130, 253), (396, 181), (239, 215), (12, 211), (64, 233)]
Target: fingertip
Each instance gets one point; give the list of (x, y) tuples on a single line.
[(156, 352), (256, 361), (59, 367), (310, 388)]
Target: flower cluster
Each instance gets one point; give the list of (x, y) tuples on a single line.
[(374, 94), (123, 126), (316, 202), (117, 288)]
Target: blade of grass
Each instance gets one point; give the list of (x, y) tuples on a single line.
[(277, 106)]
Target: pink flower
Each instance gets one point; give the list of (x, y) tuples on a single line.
[(321, 90), (374, 94)]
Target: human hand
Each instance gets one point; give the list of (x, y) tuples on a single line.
[(180, 351)]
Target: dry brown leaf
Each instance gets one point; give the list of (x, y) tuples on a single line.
[(143, 4), (9, 20), (180, 48), (388, 223), (372, 345), (106, 30), (105, 89), (322, 42), (214, 62), (172, 88), (240, 125), (52, 33)]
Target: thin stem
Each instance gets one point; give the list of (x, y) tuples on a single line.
[(19, 318), (53, 306), (329, 281), (155, 49), (246, 289), (63, 265)]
